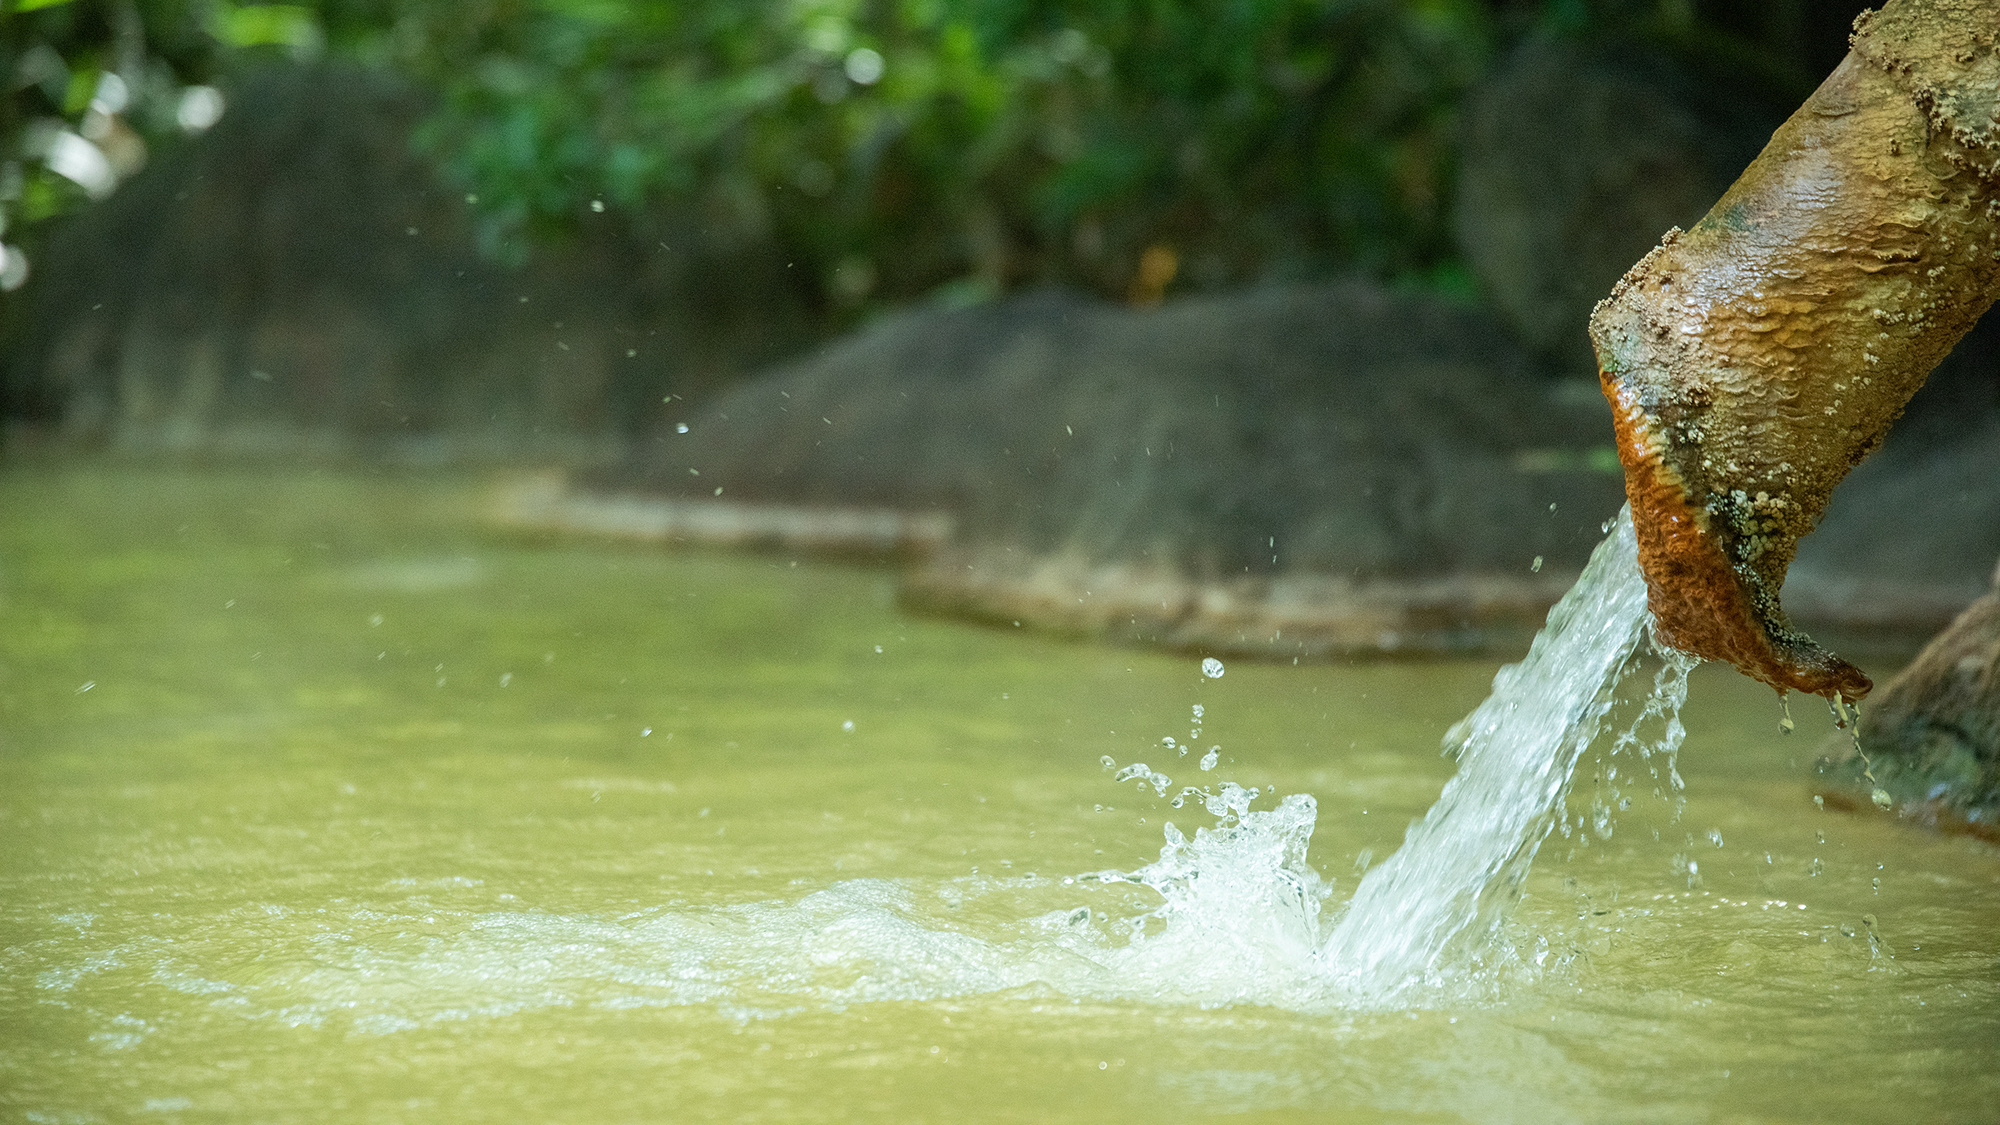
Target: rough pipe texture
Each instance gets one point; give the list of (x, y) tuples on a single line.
[(1755, 359)]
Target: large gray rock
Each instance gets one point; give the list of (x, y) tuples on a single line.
[(1287, 471), (1576, 155), (1907, 540), (1911, 533), (295, 280)]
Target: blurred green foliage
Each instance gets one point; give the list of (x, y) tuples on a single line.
[(898, 145), (892, 148), (93, 85)]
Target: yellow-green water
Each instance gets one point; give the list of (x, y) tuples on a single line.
[(318, 802)]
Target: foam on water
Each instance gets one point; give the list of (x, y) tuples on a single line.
[(1231, 914)]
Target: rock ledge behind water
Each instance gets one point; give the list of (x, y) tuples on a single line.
[(1287, 471)]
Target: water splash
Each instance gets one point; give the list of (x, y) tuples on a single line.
[(1238, 918), (1232, 914), (1427, 921), (1421, 916)]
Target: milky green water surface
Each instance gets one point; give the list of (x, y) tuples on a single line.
[(319, 802)]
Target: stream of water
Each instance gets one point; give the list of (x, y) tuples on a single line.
[(1434, 909), (1426, 924)]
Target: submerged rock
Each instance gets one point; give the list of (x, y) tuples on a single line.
[(1288, 471), (1932, 736)]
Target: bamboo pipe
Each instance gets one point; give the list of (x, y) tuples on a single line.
[(1753, 360)]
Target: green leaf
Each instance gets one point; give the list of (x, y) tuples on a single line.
[(82, 87), (258, 25)]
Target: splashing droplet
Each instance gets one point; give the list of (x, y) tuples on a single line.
[(1146, 775)]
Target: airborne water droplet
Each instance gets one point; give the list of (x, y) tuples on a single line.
[(1146, 775), (1211, 667)]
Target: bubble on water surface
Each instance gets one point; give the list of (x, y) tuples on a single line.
[(1211, 667)]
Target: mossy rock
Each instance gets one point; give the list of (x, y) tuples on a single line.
[(1930, 738)]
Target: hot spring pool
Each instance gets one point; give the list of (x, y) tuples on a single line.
[(321, 803)]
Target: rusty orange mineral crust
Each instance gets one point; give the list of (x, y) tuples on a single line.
[(1753, 360)]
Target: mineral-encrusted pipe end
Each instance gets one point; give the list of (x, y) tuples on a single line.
[(1701, 603)]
